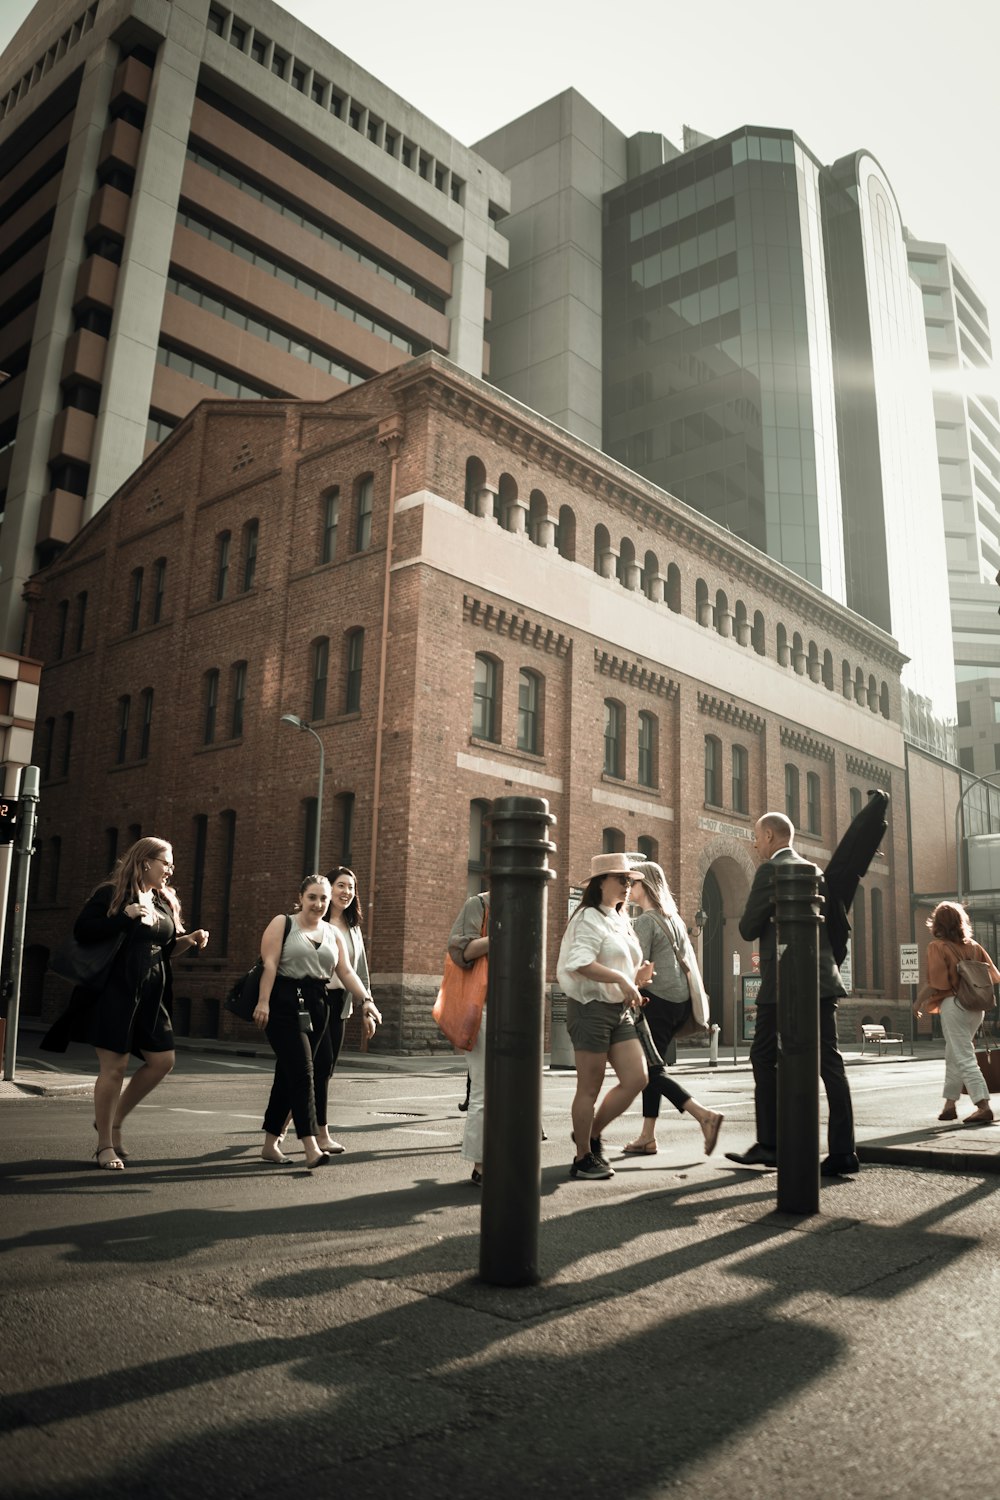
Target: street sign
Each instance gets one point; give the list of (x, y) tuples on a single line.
[(736, 963), (9, 807), (909, 963)]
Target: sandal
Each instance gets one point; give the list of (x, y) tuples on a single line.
[(640, 1148), (115, 1164), (710, 1130), (116, 1130)]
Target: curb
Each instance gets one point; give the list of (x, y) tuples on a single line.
[(921, 1156)]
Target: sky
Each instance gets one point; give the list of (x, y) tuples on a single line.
[(917, 84)]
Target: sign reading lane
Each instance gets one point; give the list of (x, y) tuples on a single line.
[(909, 963)]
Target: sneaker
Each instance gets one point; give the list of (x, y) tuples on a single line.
[(591, 1167), (597, 1150)]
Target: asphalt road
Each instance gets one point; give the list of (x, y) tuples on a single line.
[(205, 1325)]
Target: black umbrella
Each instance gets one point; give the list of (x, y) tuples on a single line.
[(849, 864)]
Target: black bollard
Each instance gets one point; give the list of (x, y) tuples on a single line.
[(515, 1011), (797, 918)]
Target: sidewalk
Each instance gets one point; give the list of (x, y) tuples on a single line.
[(895, 1126)]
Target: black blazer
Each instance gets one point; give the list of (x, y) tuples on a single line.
[(757, 921)]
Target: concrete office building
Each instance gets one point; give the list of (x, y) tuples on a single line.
[(762, 352), (418, 568), (967, 418), (201, 197)]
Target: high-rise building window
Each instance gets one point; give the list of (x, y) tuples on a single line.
[(251, 533), (320, 652), (814, 818), (614, 738), (135, 609), (484, 699), (331, 520), (792, 793), (363, 529), (222, 543), (124, 707), (239, 694), (146, 730), (741, 780), (211, 706), (159, 588), (713, 770), (528, 712), (647, 749), (352, 676)]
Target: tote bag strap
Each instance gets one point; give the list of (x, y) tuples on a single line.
[(668, 929)]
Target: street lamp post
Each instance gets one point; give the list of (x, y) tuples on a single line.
[(298, 723)]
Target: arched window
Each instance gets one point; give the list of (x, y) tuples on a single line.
[(538, 512), (159, 588), (856, 801), (135, 606), (648, 847), (319, 672), (81, 619), (625, 565), (741, 625), (878, 941), (475, 479), (529, 712), (479, 811), (222, 543), (723, 619), (602, 549), (67, 748), (251, 536), (331, 523), (343, 805), (674, 588), (62, 615), (757, 634), (146, 728), (486, 698), (124, 708), (612, 841), (741, 779), (364, 501), (798, 654), (566, 533), (614, 738), (781, 646), (713, 770), (211, 706), (792, 793), (353, 663), (814, 815), (703, 609), (828, 671), (650, 574), (46, 734), (239, 697), (873, 695), (200, 821), (859, 943), (883, 700), (505, 499), (648, 748)]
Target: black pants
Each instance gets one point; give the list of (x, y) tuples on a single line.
[(764, 1061), (324, 1061), (294, 1085), (665, 1017)]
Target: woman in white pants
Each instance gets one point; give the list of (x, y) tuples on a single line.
[(469, 940), (951, 940)]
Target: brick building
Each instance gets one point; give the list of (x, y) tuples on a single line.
[(465, 602)]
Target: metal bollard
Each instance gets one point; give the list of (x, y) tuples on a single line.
[(515, 1011), (797, 917), (713, 1045)]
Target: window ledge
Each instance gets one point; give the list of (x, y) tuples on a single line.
[(631, 786), (495, 747)]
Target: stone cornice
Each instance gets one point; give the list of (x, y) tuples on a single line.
[(806, 744), (869, 770)]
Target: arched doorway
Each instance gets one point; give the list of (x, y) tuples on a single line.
[(712, 967), (728, 872)]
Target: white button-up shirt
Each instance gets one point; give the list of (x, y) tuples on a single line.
[(597, 934)]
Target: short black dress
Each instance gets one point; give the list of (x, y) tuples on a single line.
[(132, 1012)]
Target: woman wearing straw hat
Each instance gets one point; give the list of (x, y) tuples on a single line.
[(601, 968)]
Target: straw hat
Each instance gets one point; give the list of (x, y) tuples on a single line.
[(610, 864)]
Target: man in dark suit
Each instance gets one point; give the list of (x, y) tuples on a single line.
[(773, 835)]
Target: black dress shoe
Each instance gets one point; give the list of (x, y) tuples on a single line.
[(757, 1156), (840, 1166)]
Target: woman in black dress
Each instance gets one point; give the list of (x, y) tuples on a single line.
[(131, 1014)]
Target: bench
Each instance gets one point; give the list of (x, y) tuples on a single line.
[(878, 1037)]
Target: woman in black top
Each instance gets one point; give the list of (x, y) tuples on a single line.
[(131, 1013)]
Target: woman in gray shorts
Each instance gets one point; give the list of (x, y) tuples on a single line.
[(601, 968)]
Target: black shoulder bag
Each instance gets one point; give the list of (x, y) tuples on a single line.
[(242, 998)]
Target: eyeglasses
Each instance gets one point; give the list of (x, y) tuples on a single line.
[(625, 879)]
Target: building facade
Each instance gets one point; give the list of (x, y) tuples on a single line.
[(201, 198), (464, 602), (762, 355), (967, 423)]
